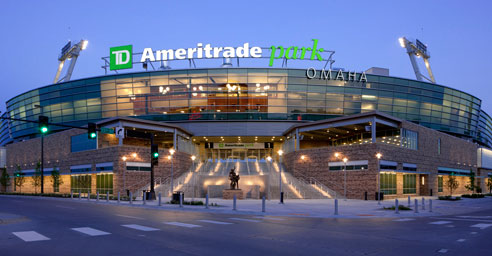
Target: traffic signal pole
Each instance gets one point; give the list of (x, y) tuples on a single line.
[(42, 163), (152, 191)]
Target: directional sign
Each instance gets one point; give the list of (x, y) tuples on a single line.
[(120, 132), (107, 130)]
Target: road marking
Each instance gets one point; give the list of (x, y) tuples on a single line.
[(64, 207), (450, 226), (91, 231), (475, 217), (267, 218), (443, 251), (404, 219), (473, 233), (460, 240), (481, 225), (247, 220), (458, 219), (132, 217), (440, 222), (30, 236), (215, 222), (139, 227), (180, 224)]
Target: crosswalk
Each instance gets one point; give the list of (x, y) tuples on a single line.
[(33, 236)]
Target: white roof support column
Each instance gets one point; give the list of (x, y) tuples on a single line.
[(373, 130), (175, 140), (298, 143)]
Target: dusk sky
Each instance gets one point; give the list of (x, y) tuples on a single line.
[(364, 34)]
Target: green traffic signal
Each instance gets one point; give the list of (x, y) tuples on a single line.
[(93, 135), (156, 155), (44, 129)]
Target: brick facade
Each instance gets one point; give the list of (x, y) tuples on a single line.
[(455, 153), (57, 152)]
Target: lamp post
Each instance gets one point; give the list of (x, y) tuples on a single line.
[(42, 152), (171, 151), (345, 178), (193, 157), (280, 152), (124, 172), (378, 156), (269, 163)]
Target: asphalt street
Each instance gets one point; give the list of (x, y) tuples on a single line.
[(33, 226)]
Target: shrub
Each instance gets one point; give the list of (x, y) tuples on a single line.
[(187, 202), (473, 196), (400, 207), (449, 198)]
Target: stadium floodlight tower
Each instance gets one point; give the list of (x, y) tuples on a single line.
[(418, 49), (69, 52)]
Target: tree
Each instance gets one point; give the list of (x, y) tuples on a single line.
[(56, 179), (36, 178), (489, 184), (5, 179), (19, 178), (452, 184), (471, 185)]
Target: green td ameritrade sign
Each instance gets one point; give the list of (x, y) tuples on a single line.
[(120, 57)]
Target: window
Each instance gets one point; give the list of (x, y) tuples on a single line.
[(81, 143), (388, 183), (409, 183), (104, 183), (409, 139), (439, 146), (136, 166), (81, 183), (439, 183)]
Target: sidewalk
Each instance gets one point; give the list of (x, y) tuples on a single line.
[(321, 208)]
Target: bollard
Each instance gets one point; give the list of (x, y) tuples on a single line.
[(397, 210), (131, 197), (263, 204), (423, 204), (118, 197), (409, 202), (281, 197), (336, 206), (181, 199), (416, 206), (80, 194), (97, 196), (234, 203), (88, 195), (430, 205), (143, 199), (107, 196), (160, 199), (71, 194), (365, 196), (206, 201)]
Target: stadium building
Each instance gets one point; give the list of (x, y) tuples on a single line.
[(308, 132)]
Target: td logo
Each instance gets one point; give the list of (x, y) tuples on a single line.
[(120, 57)]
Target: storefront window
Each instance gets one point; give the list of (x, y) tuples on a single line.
[(388, 183), (409, 184)]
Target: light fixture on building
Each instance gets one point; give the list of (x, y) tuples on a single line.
[(171, 151), (303, 157), (134, 155), (124, 158)]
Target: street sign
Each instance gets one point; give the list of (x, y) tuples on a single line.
[(120, 132), (107, 130)]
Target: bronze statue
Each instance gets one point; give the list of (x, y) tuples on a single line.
[(234, 178)]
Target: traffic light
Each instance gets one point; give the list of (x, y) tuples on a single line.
[(92, 131), (43, 124), (154, 154)]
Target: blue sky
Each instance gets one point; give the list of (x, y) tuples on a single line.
[(363, 34)]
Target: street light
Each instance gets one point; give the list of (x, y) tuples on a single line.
[(193, 157), (171, 151), (280, 152), (378, 156), (345, 177), (269, 163)]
